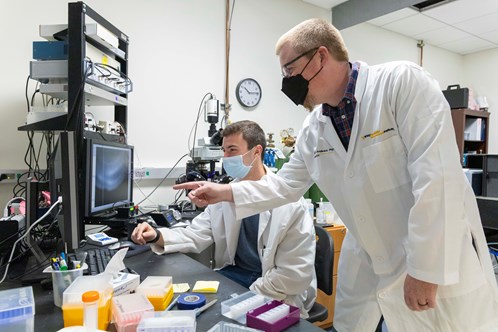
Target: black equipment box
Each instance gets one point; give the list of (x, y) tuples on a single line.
[(164, 218), (489, 165), (457, 97)]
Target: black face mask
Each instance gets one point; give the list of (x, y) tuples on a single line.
[(296, 87)]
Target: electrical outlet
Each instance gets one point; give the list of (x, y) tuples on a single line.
[(10, 175)]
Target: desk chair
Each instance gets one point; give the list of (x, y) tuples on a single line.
[(324, 263)]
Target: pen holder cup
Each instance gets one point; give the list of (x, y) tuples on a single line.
[(61, 280)]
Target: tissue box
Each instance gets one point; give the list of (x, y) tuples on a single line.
[(125, 283)]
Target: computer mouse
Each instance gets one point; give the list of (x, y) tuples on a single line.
[(123, 244)]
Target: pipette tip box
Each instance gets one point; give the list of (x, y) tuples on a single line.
[(254, 320), (17, 310), (237, 307), (128, 310)]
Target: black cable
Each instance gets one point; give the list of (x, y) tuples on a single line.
[(127, 80), (78, 97), (164, 178), (178, 195), (35, 267), (231, 14), (26, 92), (196, 123)]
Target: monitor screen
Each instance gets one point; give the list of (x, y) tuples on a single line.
[(110, 176)]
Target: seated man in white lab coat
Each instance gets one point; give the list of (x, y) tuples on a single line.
[(272, 253)]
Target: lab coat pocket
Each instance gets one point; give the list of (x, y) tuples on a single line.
[(386, 164), (350, 265)]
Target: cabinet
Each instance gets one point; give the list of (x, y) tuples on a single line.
[(338, 232), (92, 42), (471, 131)]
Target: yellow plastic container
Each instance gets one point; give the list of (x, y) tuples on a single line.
[(72, 304), (158, 290)]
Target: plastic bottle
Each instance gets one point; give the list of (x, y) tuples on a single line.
[(311, 207), (90, 310), (320, 218)]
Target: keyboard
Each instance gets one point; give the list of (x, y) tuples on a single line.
[(97, 259)]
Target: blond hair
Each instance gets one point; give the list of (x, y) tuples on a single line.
[(314, 33)]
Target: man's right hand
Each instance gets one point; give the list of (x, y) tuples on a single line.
[(143, 233), (203, 192)]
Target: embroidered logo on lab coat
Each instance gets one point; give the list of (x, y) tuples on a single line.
[(377, 133)]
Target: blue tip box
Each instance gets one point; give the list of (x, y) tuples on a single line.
[(17, 310)]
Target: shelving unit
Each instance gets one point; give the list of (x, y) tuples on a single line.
[(79, 92), (461, 117)]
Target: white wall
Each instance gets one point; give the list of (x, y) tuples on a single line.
[(375, 45), (478, 71), (176, 56), (481, 74)]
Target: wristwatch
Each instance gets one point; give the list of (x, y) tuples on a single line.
[(158, 236)]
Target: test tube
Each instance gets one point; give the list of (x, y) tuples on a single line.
[(90, 310)]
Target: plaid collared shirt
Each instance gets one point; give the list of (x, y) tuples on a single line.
[(343, 114)]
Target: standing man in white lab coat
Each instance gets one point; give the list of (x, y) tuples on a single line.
[(272, 252), (380, 145)]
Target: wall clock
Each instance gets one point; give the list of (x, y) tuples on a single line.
[(248, 92)]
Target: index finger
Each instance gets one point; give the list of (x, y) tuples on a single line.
[(187, 185)]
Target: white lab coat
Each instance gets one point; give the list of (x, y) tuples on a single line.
[(401, 192), (286, 246)]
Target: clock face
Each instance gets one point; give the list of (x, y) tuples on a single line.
[(248, 92)]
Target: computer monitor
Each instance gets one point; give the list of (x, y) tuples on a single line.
[(102, 181), (108, 177)]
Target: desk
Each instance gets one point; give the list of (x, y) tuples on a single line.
[(181, 267)]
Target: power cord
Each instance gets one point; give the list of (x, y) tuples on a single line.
[(195, 125), (59, 201), (164, 178), (6, 209)]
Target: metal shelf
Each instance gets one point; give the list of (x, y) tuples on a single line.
[(94, 96)]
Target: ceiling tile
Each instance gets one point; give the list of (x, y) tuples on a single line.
[(392, 17), (460, 26), (481, 24), (441, 36), (414, 25), (491, 36), (327, 4), (467, 45), (462, 10)]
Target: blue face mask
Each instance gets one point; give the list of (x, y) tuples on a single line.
[(235, 167)]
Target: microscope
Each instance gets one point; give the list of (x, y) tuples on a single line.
[(207, 151)]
